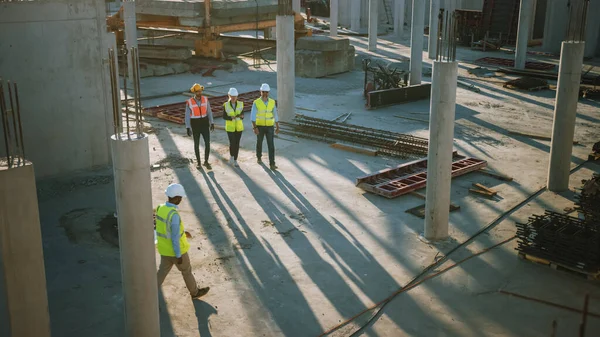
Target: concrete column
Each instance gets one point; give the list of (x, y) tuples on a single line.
[(130, 31), (296, 6), (439, 156), (399, 6), (434, 11), (565, 111), (22, 255), (333, 17), (373, 23), (525, 21), (355, 15), (286, 85), (131, 166), (416, 41)]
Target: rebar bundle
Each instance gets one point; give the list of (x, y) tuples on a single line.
[(447, 37), (10, 111), (118, 127), (559, 238), (383, 78), (588, 201), (386, 142)]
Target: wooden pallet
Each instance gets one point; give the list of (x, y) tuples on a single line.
[(559, 266), (405, 178)]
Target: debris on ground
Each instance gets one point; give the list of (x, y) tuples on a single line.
[(171, 161), (511, 63), (483, 72), (527, 83), (419, 211), (483, 190)]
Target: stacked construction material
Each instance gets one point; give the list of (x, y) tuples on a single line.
[(562, 240), (588, 201), (385, 142)]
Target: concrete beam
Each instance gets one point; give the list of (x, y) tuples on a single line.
[(565, 111), (21, 254), (525, 21), (131, 166), (439, 157), (416, 42), (286, 85)]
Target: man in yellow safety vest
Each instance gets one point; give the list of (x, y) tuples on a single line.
[(172, 241), (234, 125), (264, 116)]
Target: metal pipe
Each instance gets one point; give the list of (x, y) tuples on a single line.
[(19, 122), (126, 95), (4, 121), (139, 93), (113, 89), (14, 121)]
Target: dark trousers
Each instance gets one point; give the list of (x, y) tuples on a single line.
[(268, 131), (200, 126), (234, 143)]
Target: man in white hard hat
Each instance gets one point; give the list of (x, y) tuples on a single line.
[(264, 117), (234, 125), (172, 242)]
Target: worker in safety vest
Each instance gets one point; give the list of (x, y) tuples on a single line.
[(234, 115), (264, 117), (199, 121), (172, 241)]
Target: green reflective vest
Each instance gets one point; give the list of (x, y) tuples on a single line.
[(164, 214), (264, 113), (236, 124)]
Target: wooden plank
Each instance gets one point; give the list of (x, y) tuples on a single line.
[(355, 149), (484, 188), (495, 174), (482, 192)]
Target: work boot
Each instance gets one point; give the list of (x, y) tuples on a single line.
[(198, 163), (201, 292), (231, 160), (207, 165), (274, 167), (235, 163), (259, 160)]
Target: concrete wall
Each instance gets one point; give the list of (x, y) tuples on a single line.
[(55, 50)]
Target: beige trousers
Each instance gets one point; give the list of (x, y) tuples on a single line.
[(167, 262)]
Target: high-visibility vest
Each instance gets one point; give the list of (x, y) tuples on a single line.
[(237, 124), (198, 111), (264, 113), (164, 215)]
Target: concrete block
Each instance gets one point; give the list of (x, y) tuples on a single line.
[(322, 43), (311, 63)]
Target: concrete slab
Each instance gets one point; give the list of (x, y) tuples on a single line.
[(322, 43)]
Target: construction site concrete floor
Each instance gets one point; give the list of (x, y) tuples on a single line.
[(301, 250)]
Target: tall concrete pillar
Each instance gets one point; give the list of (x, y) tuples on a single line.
[(525, 20), (565, 111), (333, 17), (434, 11), (130, 31), (296, 6), (131, 166), (373, 23), (355, 15), (439, 156), (21, 255), (416, 42), (286, 85), (399, 6)]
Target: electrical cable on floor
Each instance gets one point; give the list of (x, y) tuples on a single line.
[(414, 282), (257, 50)]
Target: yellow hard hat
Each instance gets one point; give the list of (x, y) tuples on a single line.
[(197, 87)]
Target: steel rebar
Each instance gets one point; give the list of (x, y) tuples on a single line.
[(5, 125), (577, 11), (126, 61), (448, 32), (19, 122), (14, 123), (114, 85), (136, 64)]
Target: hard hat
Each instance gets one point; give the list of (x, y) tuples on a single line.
[(232, 92), (196, 87), (175, 190), (265, 87)]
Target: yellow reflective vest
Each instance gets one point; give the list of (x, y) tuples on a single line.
[(164, 214), (237, 123), (264, 113)]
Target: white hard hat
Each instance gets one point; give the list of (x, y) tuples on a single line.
[(175, 190), (232, 92), (265, 87)]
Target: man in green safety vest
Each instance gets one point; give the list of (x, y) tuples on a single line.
[(172, 241), (264, 116)]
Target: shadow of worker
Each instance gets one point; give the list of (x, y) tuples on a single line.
[(203, 312)]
